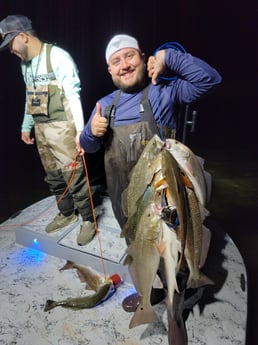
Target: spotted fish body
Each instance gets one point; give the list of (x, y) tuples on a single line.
[(104, 292)]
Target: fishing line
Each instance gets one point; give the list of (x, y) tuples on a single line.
[(41, 215), (115, 278), (94, 217)]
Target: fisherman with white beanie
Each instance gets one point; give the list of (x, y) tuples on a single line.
[(145, 103)]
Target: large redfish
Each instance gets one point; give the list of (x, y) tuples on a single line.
[(143, 256), (191, 166), (194, 242), (148, 165)]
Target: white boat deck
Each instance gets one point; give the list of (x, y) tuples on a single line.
[(30, 261)]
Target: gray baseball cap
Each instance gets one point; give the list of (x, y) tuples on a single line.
[(11, 26)]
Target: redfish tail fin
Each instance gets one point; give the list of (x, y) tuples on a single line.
[(201, 280), (142, 316), (50, 304), (69, 265)]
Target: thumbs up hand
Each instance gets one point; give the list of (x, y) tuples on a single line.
[(99, 123)]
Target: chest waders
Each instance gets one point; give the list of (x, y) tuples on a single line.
[(55, 134), (124, 145)]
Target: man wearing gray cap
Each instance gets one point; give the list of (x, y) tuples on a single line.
[(53, 107), (144, 104)]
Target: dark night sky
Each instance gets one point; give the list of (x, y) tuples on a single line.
[(220, 32)]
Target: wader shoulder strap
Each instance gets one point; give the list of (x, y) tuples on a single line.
[(147, 115), (145, 110), (49, 66), (109, 112)]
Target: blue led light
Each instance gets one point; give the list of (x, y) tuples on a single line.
[(35, 241), (30, 256)]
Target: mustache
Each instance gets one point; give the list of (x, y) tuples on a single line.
[(139, 84)]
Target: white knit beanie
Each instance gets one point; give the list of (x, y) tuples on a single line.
[(119, 42)]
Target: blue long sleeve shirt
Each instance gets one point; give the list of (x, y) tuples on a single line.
[(194, 80)]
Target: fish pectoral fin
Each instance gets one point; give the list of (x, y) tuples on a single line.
[(203, 211), (161, 247), (186, 181), (160, 183), (128, 260), (157, 284)]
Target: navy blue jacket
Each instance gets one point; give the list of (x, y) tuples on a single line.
[(194, 80)]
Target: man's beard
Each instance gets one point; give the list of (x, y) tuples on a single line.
[(137, 86)]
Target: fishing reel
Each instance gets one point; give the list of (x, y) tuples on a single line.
[(169, 215)]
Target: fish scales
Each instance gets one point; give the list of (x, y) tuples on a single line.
[(191, 166), (176, 189), (145, 257), (176, 181), (170, 256), (141, 176), (194, 243), (85, 302)]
